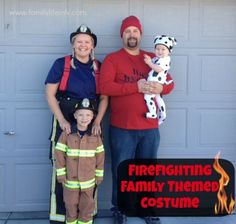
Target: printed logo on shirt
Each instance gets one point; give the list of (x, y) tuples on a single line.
[(137, 75)]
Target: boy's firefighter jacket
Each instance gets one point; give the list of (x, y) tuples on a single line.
[(79, 161)]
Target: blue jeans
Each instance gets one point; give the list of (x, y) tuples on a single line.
[(131, 144)]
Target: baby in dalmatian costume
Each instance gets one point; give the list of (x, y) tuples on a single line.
[(160, 66)]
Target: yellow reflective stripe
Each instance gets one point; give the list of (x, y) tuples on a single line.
[(59, 218), (54, 129), (96, 202), (61, 147), (99, 173), (53, 216), (61, 171), (100, 149), (53, 203), (80, 152), (72, 184), (89, 222), (87, 153), (73, 222), (87, 184), (72, 152)]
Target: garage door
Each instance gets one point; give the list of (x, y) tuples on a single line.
[(201, 111)]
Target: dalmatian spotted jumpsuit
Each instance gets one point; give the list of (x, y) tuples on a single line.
[(150, 99)]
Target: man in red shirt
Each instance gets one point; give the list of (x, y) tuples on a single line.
[(123, 78)]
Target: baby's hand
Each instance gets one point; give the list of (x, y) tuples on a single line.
[(147, 59)]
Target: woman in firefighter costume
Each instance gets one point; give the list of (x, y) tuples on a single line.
[(72, 78), (79, 159)]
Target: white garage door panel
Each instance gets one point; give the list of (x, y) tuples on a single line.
[(199, 130), (218, 73), (158, 21), (217, 127), (179, 71), (2, 185), (218, 19), (24, 184), (2, 129), (5, 184), (39, 23), (31, 69), (33, 184), (27, 71), (171, 136), (1, 20), (214, 76), (32, 131), (2, 71)]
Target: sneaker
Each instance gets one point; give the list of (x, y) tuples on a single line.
[(152, 220), (119, 218)]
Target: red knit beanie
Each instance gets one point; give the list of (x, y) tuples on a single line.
[(130, 21)]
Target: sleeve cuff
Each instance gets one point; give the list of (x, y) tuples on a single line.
[(61, 171)]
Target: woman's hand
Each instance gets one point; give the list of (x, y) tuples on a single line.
[(65, 126)]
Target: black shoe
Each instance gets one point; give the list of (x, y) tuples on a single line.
[(152, 220), (119, 218)]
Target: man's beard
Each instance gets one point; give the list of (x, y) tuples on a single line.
[(132, 42)]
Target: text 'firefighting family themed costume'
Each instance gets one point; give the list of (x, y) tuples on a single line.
[(75, 84), (80, 166)]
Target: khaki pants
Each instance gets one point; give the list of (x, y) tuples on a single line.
[(79, 204)]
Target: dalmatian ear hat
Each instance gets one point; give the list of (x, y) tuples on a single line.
[(169, 42)]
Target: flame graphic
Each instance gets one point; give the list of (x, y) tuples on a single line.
[(221, 195)]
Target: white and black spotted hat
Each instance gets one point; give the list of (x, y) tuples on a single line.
[(169, 42)]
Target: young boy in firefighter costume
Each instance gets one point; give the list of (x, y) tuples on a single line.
[(79, 165), (72, 78)]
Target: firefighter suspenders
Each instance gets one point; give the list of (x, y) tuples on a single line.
[(66, 73)]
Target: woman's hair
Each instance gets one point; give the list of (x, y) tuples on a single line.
[(92, 55)]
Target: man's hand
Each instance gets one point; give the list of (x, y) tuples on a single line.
[(148, 87), (96, 129), (141, 85), (155, 87)]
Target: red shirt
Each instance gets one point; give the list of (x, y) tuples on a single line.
[(120, 72)]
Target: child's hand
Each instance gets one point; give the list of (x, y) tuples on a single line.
[(99, 180), (61, 179), (147, 59)]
